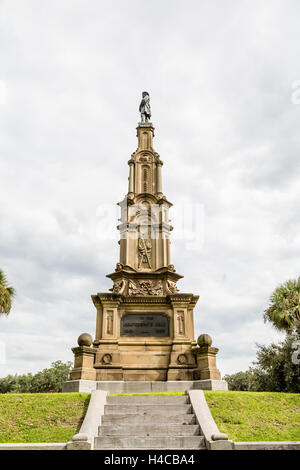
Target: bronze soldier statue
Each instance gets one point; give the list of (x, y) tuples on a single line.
[(144, 108)]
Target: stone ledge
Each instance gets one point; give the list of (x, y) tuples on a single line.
[(34, 446), (210, 384), (84, 440), (213, 438), (271, 445), (84, 386), (87, 386)]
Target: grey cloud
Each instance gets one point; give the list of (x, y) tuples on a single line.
[(220, 76)]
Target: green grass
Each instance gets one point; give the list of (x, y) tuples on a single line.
[(256, 416), (147, 394), (41, 417), (243, 416)]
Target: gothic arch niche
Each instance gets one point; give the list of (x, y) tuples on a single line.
[(147, 205), (144, 244), (145, 140), (146, 179), (180, 323), (109, 322)]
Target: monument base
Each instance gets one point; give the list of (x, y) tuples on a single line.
[(87, 386)]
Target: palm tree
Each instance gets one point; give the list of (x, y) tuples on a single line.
[(284, 309), (6, 294)]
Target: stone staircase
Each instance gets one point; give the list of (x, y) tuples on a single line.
[(149, 422)]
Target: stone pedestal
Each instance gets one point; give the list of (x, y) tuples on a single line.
[(206, 361), (84, 357), (140, 338), (120, 353)]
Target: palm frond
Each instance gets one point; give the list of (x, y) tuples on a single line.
[(284, 308), (3, 279), (11, 291), (6, 294)]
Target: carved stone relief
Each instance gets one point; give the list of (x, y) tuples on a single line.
[(182, 359), (145, 288), (119, 287), (109, 322), (171, 268), (180, 323), (144, 252), (106, 358), (171, 287), (145, 158)]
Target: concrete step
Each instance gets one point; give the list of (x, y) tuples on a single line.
[(147, 400), (185, 418), (149, 430), (147, 409), (167, 442)]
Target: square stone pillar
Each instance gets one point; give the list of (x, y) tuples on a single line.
[(206, 360), (182, 361), (84, 363)]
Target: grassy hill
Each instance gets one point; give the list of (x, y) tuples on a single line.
[(243, 416), (41, 417), (256, 416)]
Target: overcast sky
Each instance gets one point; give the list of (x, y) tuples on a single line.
[(220, 74)]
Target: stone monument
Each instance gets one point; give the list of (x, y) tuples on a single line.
[(145, 326)]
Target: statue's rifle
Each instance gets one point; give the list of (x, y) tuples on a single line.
[(146, 252)]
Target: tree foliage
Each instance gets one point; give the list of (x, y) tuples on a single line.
[(284, 309), (6, 294), (48, 380), (241, 381), (275, 369)]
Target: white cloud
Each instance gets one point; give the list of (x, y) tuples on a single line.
[(220, 76)]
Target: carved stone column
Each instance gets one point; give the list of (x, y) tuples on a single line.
[(159, 178), (131, 177)]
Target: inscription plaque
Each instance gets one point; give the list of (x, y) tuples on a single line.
[(139, 324)]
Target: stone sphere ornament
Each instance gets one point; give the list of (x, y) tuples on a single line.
[(204, 340), (85, 339)]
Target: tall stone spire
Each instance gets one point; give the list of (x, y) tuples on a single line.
[(145, 263)]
